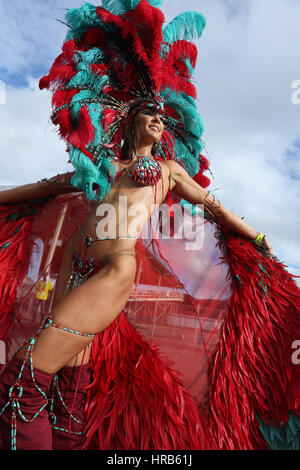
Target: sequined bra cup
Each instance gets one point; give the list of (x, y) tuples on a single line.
[(147, 172)]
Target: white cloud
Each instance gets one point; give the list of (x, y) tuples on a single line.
[(246, 67), (31, 148)]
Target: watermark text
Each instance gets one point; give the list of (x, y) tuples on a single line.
[(296, 93), (2, 352), (130, 221), (296, 354)]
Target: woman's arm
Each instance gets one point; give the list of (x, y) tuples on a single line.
[(54, 186), (183, 185)]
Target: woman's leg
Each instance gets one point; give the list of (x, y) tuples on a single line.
[(68, 402), (82, 358), (68, 393), (60, 292), (89, 309)]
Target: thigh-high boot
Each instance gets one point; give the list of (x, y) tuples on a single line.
[(24, 397), (24, 421), (67, 407)]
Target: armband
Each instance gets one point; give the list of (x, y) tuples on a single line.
[(259, 239)]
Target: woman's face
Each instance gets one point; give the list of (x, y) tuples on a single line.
[(150, 126)]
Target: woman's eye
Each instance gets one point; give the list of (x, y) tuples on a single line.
[(150, 112)]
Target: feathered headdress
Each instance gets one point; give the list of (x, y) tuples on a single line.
[(116, 55)]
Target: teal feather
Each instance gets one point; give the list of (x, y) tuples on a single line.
[(82, 95), (79, 19), (16, 231), (75, 34), (156, 3), (119, 7), (186, 108), (96, 114), (87, 175), (187, 25), (116, 7), (283, 437), (4, 247), (90, 79), (85, 75), (92, 56), (99, 83), (132, 4), (182, 153), (14, 216), (189, 66), (192, 209)]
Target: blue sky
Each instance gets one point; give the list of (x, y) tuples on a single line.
[(249, 56)]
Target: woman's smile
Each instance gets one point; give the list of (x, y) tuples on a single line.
[(154, 127)]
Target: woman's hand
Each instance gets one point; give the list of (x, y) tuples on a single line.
[(268, 245), (264, 242), (61, 180), (54, 186)]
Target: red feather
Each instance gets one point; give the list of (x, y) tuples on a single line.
[(85, 132), (64, 119), (249, 375), (62, 97), (174, 69)]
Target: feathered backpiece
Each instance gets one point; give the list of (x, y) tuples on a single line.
[(114, 55)]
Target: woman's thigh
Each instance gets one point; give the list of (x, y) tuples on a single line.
[(90, 308), (95, 303)]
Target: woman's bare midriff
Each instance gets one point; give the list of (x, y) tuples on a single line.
[(124, 212), (124, 197)]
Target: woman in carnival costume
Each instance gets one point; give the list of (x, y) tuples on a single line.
[(89, 378)]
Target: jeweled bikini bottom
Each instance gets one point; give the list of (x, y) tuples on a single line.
[(84, 268)]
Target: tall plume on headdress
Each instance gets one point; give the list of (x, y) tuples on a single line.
[(114, 54)]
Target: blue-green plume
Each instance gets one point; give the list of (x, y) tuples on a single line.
[(188, 25)]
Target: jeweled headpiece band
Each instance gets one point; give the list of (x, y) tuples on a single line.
[(127, 111), (138, 105)]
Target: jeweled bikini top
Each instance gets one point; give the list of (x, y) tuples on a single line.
[(147, 171)]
